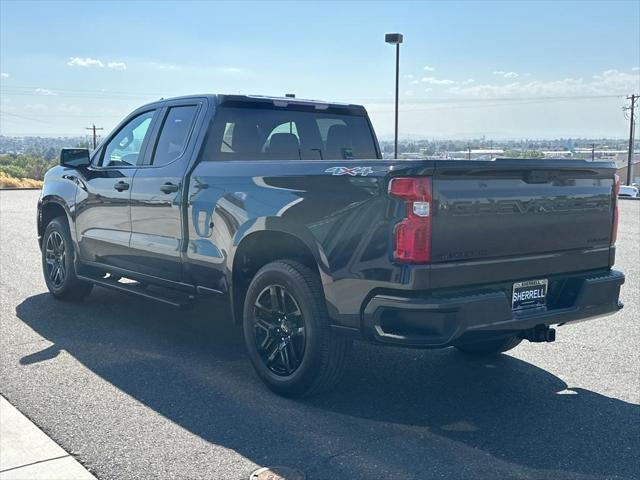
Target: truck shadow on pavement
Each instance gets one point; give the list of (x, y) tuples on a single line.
[(398, 413)]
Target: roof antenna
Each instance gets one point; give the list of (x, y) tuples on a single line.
[(290, 95)]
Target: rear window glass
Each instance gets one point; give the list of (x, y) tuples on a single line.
[(240, 133), (174, 134)]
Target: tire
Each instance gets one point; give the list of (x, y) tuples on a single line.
[(490, 347), (58, 258), (311, 361)]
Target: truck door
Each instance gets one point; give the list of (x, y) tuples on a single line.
[(156, 193), (103, 213)]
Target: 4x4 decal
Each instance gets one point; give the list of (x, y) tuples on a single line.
[(352, 171)]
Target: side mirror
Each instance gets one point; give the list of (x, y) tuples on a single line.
[(74, 157)]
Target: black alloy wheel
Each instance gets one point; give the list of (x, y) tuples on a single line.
[(287, 330), (55, 259), (58, 258), (279, 330)]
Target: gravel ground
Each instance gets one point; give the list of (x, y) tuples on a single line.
[(136, 390)]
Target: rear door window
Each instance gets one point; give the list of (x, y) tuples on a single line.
[(174, 134)]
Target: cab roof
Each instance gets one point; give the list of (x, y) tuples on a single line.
[(261, 101)]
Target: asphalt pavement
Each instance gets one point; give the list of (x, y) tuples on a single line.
[(135, 390)]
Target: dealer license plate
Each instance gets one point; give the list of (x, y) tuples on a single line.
[(529, 294)]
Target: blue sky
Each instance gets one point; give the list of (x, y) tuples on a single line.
[(500, 69)]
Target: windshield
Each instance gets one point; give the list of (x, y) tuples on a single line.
[(285, 134)]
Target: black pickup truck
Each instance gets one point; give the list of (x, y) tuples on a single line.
[(286, 208)]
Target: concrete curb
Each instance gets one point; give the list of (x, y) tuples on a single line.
[(26, 452)]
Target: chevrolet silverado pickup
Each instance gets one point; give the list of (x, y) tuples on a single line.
[(286, 208)]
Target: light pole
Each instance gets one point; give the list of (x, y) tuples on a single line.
[(395, 39)]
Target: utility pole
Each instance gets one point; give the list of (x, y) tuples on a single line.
[(95, 136), (468, 153), (632, 127), (593, 152)]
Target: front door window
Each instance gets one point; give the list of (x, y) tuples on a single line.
[(124, 148)]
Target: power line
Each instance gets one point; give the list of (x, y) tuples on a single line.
[(462, 105), (72, 90), (26, 118), (31, 91), (78, 115), (492, 99)]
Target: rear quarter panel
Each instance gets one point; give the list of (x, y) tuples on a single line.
[(344, 220)]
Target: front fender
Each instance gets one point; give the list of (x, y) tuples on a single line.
[(59, 188)]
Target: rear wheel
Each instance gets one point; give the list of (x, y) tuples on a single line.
[(490, 347), (286, 331), (57, 263)]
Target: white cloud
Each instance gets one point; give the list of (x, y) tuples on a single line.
[(415, 82), (165, 66), (64, 108), (408, 76), (4, 75), (609, 82), (409, 93), (36, 107), (428, 89), (428, 68), (635, 69), (607, 73), (438, 81), (84, 62), (45, 91), (94, 62), (117, 65), (504, 74), (445, 81)]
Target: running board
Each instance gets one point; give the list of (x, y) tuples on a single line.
[(176, 300)]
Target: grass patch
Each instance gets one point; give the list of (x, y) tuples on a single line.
[(7, 181)]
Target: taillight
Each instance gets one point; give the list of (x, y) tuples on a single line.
[(412, 235), (614, 225)]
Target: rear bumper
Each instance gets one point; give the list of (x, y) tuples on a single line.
[(437, 321)]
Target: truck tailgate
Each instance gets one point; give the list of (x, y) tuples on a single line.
[(513, 207)]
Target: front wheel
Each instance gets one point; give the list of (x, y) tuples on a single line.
[(57, 263), (286, 331), (490, 347)]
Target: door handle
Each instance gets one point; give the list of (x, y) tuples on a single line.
[(169, 187), (121, 186)]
